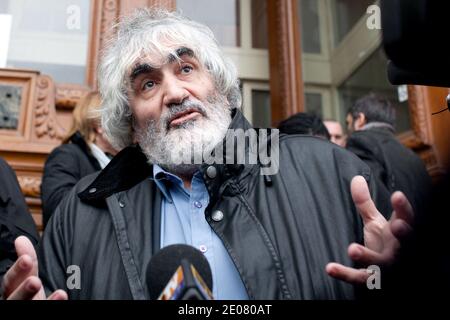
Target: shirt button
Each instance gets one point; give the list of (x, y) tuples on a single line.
[(203, 248), (92, 190), (217, 215), (121, 204), (198, 204), (211, 172)]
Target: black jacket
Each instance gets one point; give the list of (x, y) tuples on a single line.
[(64, 167), (394, 166), (280, 231), (15, 219)]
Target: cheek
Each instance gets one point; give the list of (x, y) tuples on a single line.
[(144, 112), (206, 85)]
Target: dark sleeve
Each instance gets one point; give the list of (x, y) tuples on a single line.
[(61, 172), (15, 219), (52, 252)]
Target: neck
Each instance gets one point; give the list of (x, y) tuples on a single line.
[(184, 171), (104, 145), (187, 182)]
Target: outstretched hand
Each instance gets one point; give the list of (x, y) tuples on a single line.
[(21, 282), (381, 237)]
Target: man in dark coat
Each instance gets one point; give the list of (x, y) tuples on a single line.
[(269, 212), (371, 123), (15, 219)]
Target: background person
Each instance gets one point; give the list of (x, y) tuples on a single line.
[(85, 150), (371, 127), (304, 123), (337, 135)]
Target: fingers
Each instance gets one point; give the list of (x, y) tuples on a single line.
[(27, 290), (363, 201), (364, 255), (24, 246), (400, 229), (402, 208), (58, 295), (17, 274), (347, 274)]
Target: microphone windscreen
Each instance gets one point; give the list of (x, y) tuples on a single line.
[(166, 261)]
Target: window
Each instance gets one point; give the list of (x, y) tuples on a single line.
[(49, 36), (222, 16), (313, 104), (10, 101), (256, 103), (261, 109), (310, 26), (372, 77)]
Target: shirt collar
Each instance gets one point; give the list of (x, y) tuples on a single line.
[(162, 179), (101, 157), (165, 180)]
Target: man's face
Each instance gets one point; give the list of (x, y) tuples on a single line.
[(355, 124), (336, 132), (176, 109), (154, 91)]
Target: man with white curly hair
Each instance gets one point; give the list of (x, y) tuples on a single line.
[(170, 99)]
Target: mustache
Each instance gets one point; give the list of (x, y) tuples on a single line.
[(178, 108)]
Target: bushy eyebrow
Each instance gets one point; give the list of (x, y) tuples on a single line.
[(142, 68), (183, 51)]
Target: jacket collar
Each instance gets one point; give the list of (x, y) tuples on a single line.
[(78, 140), (130, 166), (379, 125)]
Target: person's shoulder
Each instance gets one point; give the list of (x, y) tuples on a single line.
[(66, 148), (313, 153), (65, 154), (307, 146), (4, 166)]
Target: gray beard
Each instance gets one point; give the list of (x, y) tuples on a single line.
[(180, 150)]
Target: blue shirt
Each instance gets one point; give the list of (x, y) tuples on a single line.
[(183, 221)]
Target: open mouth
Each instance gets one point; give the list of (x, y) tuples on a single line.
[(183, 117)]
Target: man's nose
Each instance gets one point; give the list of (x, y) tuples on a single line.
[(174, 92)]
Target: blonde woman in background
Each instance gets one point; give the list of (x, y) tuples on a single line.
[(85, 150)]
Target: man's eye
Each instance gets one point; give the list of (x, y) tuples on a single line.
[(186, 69), (148, 85)]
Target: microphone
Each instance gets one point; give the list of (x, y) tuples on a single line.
[(179, 272)]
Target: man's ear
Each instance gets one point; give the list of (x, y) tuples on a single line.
[(98, 130), (360, 121)]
